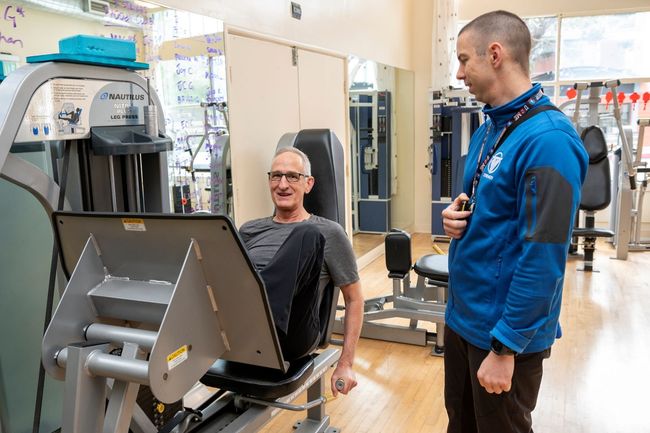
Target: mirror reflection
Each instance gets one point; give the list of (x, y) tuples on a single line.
[(381, 151)]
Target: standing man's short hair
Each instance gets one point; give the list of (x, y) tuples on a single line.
[(503, 27), (305, 159)]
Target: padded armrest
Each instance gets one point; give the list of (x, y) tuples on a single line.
[(592, 232), (265, 383)]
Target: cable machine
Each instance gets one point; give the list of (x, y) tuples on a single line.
[(454, 118), (370, 114)]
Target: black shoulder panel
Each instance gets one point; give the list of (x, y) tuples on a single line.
[(549, 198)]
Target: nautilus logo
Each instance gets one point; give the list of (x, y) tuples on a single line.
[(495, 161), (103, 95)]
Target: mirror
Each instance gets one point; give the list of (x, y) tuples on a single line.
[(185, 52), (381, 151)]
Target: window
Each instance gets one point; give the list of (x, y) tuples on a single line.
[(615, 48), (591, 48), (543, 52)]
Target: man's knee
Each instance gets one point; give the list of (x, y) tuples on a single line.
[(307, 232), (307, 237)]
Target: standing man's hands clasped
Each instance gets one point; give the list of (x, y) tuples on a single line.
[(454, 221)]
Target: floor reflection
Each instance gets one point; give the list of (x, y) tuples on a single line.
[(363, 243)]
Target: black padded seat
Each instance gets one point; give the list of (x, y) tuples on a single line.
[(592, 232), (260, 382), (433, 266)]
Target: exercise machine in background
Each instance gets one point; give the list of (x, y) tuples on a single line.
[(626, 218), (412, 306), (371, 117), (209, 152), (454, 118), (399, 316), (600, 185), (596, 189)]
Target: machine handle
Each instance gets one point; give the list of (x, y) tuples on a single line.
[(632, 182)]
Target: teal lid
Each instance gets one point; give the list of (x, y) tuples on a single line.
[(94, 50)]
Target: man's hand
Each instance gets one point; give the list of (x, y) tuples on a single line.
[(345, 375), (495, 373), (453, 219)]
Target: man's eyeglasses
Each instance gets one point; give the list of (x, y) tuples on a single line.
[(292, 176)]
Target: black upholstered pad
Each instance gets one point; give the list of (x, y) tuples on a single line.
[(265, 383), (592, 232), (596, 189), (433, 266), (397, 246), (325, 153)]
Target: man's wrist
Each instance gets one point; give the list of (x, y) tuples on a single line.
[(344, 363), (500, 349)]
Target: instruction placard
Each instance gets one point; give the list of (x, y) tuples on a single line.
[(134, 225), (177, 357)]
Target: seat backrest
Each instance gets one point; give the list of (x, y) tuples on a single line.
[(326, 199), (397, 247), (325, 152), (596, 189)]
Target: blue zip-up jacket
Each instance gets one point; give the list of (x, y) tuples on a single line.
[(506, 271)]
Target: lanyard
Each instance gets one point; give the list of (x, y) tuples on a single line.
[(480, 166)]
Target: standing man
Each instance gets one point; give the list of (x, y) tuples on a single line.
[(293, 250), (522, 181)]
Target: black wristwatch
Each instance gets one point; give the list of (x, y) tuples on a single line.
[(500, 349)]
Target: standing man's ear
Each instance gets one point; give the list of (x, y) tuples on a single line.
[(495, 51)]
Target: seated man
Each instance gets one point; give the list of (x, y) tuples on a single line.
[(293, 250)]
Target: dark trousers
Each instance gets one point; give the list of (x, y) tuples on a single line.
[(471, 409), (292, 286)]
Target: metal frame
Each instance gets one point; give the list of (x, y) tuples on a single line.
[(628, 213), (120, 282), (235, 413), (19, 88), (426, 301)]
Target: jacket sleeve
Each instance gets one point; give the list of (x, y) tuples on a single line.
[(550, 173)]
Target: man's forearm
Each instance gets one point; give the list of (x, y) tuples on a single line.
[(353, 298)]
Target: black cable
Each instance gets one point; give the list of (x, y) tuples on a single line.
[(50, 293)]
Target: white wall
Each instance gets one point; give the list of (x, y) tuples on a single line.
[(372, 29), (469, 9), (421, 46), (38, 32), (402, 205)]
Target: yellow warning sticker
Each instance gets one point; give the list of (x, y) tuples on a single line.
[(134, 224), (177, 357)]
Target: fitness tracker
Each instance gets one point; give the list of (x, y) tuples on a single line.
[(500, 349)]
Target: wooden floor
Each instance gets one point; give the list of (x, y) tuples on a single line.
[(363, 243), (596, 381)]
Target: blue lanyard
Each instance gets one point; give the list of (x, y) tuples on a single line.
[(480, 166)]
